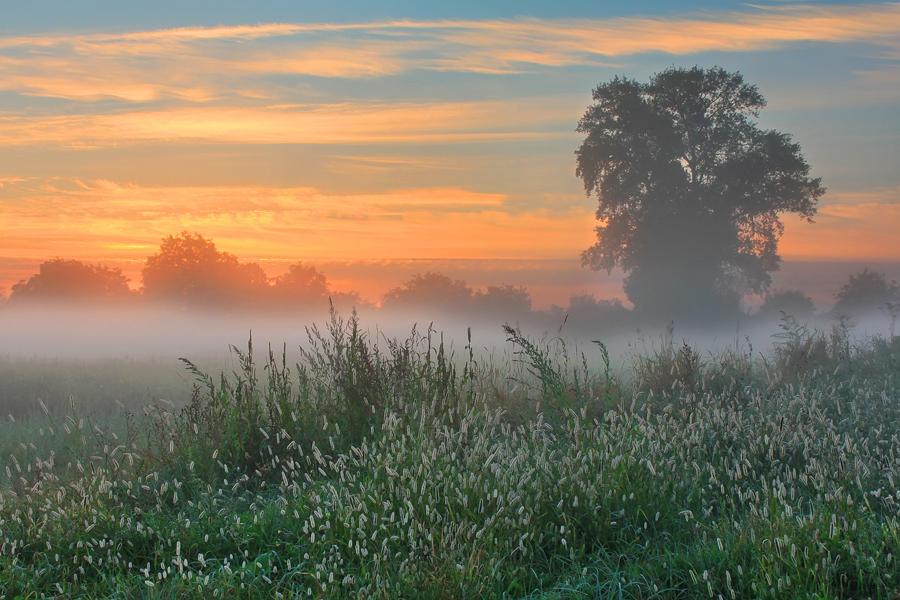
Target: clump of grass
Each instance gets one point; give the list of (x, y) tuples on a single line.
[(539, 364), (380, 468), (669, 369)]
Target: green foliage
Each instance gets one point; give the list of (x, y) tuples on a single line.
[(539, 363), (94, 385), (389, 468), (801, 353)]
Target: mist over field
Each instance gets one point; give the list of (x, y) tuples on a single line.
[(92, 359), (85, 333)]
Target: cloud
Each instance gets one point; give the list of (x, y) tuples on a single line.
[(369, 164), (98, 218), (69, 198), (882, 195), (859, 226), (108, 220), (348, 60), (145, 40), (359, 123), (201, 63), (11, 180)]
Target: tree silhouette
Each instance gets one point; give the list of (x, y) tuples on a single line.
[(61, 280), (348, 301), (508, 301), (789, 302), (188, 270), (865, 292), (587, 304), (302, 286), (429, 290), (689, 189)]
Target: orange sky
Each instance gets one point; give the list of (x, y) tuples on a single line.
[(106, 222)]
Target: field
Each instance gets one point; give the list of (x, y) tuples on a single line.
[(370, 468)]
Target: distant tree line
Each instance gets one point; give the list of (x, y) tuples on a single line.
[(189, 272), (690, 192)]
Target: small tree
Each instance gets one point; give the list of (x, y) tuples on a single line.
[(865, 292), (188, 270), (787, 302), (509, 301), (689, 189), (346, 302), (303, 286), (431, 291), (588, 313), (61, 280)]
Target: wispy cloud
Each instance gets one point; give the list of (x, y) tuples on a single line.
[(145, 40), (360, 123), (103, 198), (368, 164), (201, 63), (96, 219), (852, 225), (10, 180)]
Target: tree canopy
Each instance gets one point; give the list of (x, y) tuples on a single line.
[(188, 270), (865, 292), (431, 290), (434, 291), (302, 285), (61, 280), (689, 188), (787, 302), (510, 301)]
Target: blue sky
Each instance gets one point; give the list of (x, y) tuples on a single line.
[(110, 15)]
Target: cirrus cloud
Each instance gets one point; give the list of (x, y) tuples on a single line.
[(199, 64)]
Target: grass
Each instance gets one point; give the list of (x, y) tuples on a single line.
[(92, 385), (395, 468)]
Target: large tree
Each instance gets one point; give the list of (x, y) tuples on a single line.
[(690, 189)]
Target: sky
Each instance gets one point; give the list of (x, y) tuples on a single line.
[(376, 139)]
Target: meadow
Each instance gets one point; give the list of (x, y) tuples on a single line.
[(373, 467)]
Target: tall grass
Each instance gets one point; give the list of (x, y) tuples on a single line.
[(396, 468)]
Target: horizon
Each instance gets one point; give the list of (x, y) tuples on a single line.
[(549, 282)]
